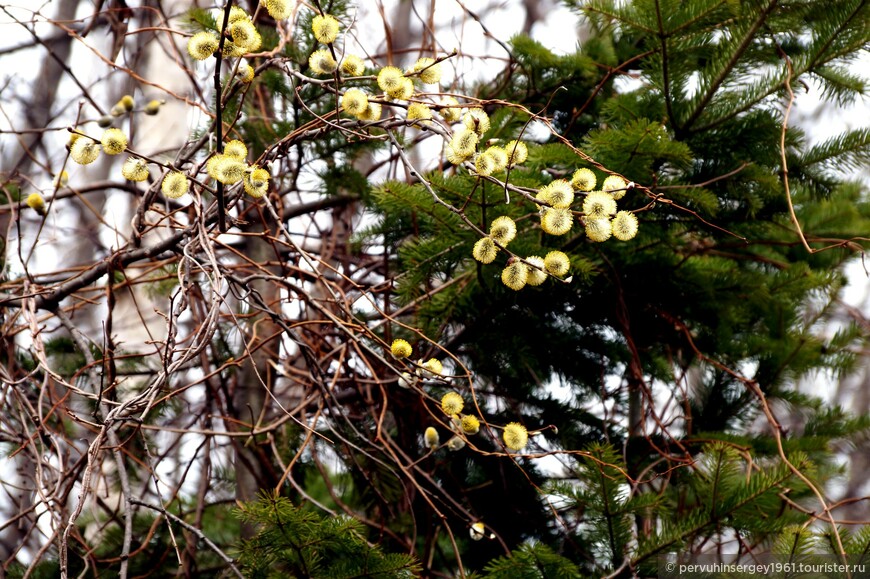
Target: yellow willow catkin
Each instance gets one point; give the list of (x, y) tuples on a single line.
[(536, 274), (583, 180), (557, 263), (401, 348), (484, 164), (431, 437), (236, 149), (354, 102), (557, 221), (452, 403), (558, 193), (517, 152), (353, 65), (499, 156), (476, 120), (515, 435), (470, 424), (84, 151), (515, 275), (624, 225), (37, 203), (134, 169), (503, 229), (325, 28), (389, 78), (175, 184), (598, 230), (114, 141), (321, 62), (450, 113), (419, 112), (599, 204), (278, 9), (615, 185), (202, 45), (485, 250), (430, 71)]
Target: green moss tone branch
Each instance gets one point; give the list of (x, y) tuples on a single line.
[(292, 542)]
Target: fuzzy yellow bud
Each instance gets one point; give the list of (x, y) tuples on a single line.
[(114, 141), (599, 204), (615, 185), (372, 112), (256, 182), (476, 120), (390, 78), (202, 45), (558, 193), (431, 438), (84, 151), (233, 50), (353, 65), (212, 163), (485, 250), (255, 43), (127, 103), (245, 73), (484, 164), (452, 403), (451, 111), (237, 14), (583, 180), (499, 156), (517, 152), (557, 263), (354, 102), (433, 366), (401, 348), (455, 156), (470, 424), (419, 112), (278, 9), (430, 71), (325, 28), (37, 203), (175, 185), (515, 275), (515, 436), (153, 107), (236, 149), (321, 62), (243, 33), (464, 141), (557, 221), (403, 91), (406, 380), (229, 170), (134, 169), (624, 225), (478, 532), (62, 179), (503, 229), (537, 275), (455, 443), (599, 229)]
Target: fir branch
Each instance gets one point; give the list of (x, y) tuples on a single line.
[(736, 55)]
